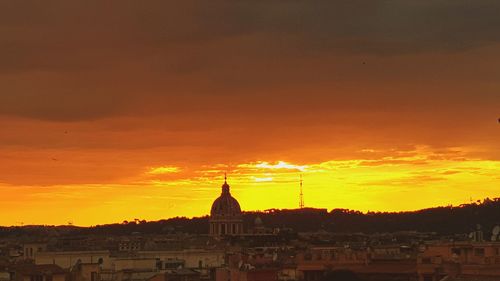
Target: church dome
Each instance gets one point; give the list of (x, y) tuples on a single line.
[(225, 205)]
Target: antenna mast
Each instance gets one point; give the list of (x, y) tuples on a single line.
[(301, 199)]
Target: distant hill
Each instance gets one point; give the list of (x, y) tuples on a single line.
[(442, 220)]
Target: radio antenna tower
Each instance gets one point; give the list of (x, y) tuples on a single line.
[(301, 199)]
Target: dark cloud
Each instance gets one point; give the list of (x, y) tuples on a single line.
[(91, 59)]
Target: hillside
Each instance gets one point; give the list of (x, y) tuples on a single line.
[(442, 220)]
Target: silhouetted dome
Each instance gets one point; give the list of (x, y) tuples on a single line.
[(225, 205)]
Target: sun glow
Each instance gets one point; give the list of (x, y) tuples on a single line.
[(374, 180)]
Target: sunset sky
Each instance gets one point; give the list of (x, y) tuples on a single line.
[(115, 110)]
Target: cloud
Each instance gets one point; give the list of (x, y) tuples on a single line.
[(87, 60), (163, 170), (389, 161), (268, 179), (280, 165)]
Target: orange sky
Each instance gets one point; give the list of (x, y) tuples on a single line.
[(121, 110)]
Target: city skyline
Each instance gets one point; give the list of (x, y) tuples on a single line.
[(116, 111)]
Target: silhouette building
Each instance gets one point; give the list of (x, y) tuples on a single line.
[(225, 215)]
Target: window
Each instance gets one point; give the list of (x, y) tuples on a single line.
[(159, 264), (426, 260), (333, 255), (36, 278), (479, 252)]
